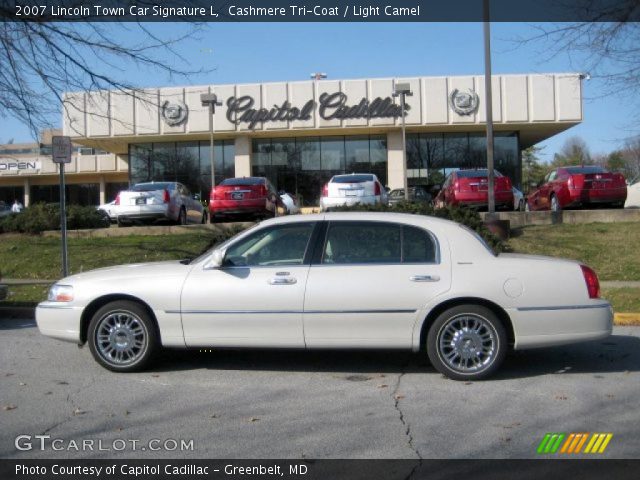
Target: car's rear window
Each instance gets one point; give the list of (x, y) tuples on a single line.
[(243, 181), (151, 187), (352, 179), (585, 169), (476, 173)]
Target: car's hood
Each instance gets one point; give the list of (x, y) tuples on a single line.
[(133, 270)]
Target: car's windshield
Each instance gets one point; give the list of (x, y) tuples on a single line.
[(585, 169), (352, 179), (151, 187), (476, 173), (243, 181), (210, 248)]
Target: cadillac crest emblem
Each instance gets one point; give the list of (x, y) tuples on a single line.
[(464, 102), (174, 112)]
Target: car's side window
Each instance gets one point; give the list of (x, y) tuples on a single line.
[(418, 246), (552, 176), (362, 242), (280, 245)]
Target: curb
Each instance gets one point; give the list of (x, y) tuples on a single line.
[(626, 319)]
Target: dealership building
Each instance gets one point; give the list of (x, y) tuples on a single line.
[(298, 134)]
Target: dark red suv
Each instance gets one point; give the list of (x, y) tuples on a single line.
[(578, 186), (471, 187), (246, 196)]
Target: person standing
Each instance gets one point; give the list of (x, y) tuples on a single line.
[(16, 207)]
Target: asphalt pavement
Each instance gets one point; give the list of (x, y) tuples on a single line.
[(323, 404)]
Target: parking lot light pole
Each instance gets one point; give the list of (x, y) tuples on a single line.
[(318, 75), (403, 90), (491, 207), (211, 100)]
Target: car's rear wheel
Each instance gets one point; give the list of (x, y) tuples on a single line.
[(122, 336), (467, 342), (555, 204)]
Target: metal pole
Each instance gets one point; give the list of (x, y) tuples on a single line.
[(63, 223), (405, 183), (212, 154), (488, 106)]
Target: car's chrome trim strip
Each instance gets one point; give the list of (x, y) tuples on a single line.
[(57, 307), (195, 312), (564, 307)]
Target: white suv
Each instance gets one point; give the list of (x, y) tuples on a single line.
[(364, 188)]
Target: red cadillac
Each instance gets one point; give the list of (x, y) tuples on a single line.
[(246, 196), (471, 187), (579, 186)]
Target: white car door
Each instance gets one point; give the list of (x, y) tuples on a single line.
[(369, 281), (256, 297)]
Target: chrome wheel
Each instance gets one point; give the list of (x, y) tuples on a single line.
[(467, 343), (555, 205), (121, 338)]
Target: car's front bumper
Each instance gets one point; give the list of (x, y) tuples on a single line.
[(59, 321), (549, 326)]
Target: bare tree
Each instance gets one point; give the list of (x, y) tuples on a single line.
[(40, 60), (631, 155), (574, 151), (607, 47)]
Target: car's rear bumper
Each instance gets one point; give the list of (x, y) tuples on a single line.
[(238, 207), (480, 199), (329, 202), (596, 196), (144, 212), (59, 321), (536, 327)]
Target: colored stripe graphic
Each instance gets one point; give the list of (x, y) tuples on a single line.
[(550, 443), (572, 443)]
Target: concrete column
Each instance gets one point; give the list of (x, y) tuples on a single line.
[(27, 192), (103, 191), (394, 160), (243, 156)]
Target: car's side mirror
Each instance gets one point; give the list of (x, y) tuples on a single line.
[(216, 260)]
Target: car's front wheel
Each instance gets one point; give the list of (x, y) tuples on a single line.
[(555, 204), (122, 336), (467, 342)]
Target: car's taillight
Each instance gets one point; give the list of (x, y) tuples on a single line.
[(570, 182), (117, 202), (212, 195), (166, 197), (377, 189), (325, 190), (263, 191), (591, 279), (456, 186)]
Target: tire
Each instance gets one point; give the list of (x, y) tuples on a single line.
[(527, 207), (453, 336), (555, 204), (182, 217), (521, 205), (126, 321)]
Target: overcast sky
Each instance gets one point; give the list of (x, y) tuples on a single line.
[(265, 52)]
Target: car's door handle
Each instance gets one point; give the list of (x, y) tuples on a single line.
[(425, 278), (282, 281)]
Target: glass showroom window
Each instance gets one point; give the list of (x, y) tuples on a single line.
[(432, 156), (185, 162), (301, 166)]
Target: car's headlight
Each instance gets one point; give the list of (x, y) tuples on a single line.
[(60, 293)]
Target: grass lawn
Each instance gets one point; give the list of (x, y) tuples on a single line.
[(612, 249), (33, 257)]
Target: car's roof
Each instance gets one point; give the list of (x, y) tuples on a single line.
[(408, 218)]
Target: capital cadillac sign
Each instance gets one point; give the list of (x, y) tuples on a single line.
[(331, 106)]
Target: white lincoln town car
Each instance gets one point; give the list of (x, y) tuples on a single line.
[(335, 280)]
